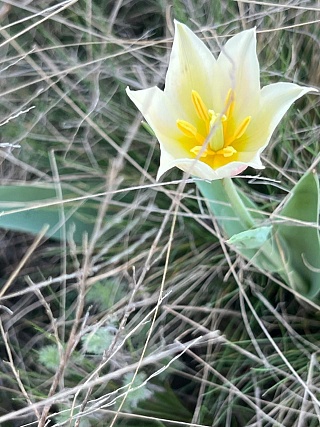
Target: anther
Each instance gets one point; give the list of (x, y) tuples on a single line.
[(229, 103), (227, 151), (205, 152), (242, 128), (200, 106), (190, 131), (187, 128)]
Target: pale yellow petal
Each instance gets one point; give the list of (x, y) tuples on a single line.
[(157, 109), (190, 68), (252, 159), (237, 68), (160, 113), (276, 99), (166, 163)]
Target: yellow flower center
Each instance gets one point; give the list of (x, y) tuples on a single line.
[(218, 132)]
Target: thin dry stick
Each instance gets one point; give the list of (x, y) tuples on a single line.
[(149, 360), (4, 11), (106, 356), (203, 385), (50, 315), (65, 355), (72, 341), (233, 388), (15, 116), (265, 331), (156, 419), (157, 185), (65, 5), (257, 396), (113, 15), (174, 206), (302, 417), (15, 371), (86, 271), (63, 242), (25, 258), (73, 337)]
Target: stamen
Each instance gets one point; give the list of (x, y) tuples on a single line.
[(219, 135), (205, 152), (200, 106), (227, 151), (187, 128), (229, 103), (212, 116), (196, 150), (190, 131), (242, 128)]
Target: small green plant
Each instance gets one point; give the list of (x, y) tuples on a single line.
[(139, 391), (49, 356), (97, 342)]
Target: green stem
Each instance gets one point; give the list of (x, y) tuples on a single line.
[(226, 201), (237, 204)]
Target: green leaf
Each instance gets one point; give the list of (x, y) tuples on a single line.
[(139, 391), (99, 341), (300, 241), (250, 239), (105, 294), (18, 212), (49, 356)]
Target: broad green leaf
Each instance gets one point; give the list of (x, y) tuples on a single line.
[(18, 212), (299, 239), (291, 247), (251, 239)]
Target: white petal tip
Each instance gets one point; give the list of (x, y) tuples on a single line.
[(198, 169)]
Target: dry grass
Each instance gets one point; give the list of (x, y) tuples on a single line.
[(211, 341)]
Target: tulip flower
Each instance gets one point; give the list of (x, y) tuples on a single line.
[(212, 119)]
